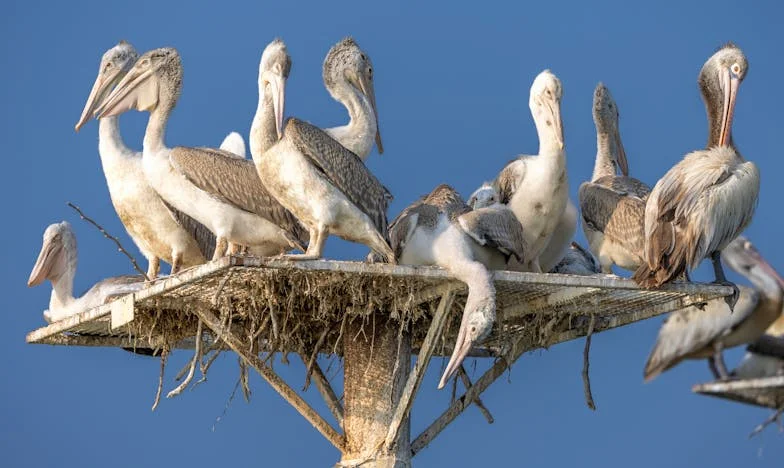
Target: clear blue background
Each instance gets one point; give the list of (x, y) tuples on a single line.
[(452, 88)]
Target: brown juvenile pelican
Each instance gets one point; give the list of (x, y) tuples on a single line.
[(536, 187), (577, 261), (159, 231), (764, 357), (709, 197), (703, 332), (348, 76), (613, 206), (222, 192), (440, 229), (57, 263), (327, 187)]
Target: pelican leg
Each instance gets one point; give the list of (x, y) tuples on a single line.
[(718, 270), (318, 237), (176, 264), (712, 366), (153, 267), (221, 245), (718, 361), (235, 249)]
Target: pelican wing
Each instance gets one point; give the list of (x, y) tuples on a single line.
[(618, 215), (496, 227), (698, 207), (509, 178), (342, 168), (234, 181), (577, 261), (626, 185), (689, 331), (205, 239)]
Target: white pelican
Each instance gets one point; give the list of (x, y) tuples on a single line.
[(703, 332), (348, 76), (612, 206), (536, 188), (327, 187), (57, 263), (708, 198), (234, 145), (764, 357), (577, 261), (221, 191), (159, 231), (440, 229)]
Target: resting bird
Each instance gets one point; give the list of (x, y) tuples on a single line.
[(57, 263), (703, 332), (440, 229), (706, 200), (612, 206), (764, 357)]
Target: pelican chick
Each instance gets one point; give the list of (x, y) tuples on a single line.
[(57, 263), (577, 261)]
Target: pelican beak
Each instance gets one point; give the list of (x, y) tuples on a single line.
[(101, 87), (367, 88), (128, 94), (462, 347), (49, 263), (278, 84), (731, 83), (555, 112), (623, 163)]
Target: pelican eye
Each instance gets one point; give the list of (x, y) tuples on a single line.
[(735, 69), (747, 245)]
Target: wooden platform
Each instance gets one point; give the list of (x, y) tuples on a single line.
[(767, 392)]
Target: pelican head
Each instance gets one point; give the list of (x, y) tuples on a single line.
[(154, 82), (115, 63), (346, 62), (476, 325), (719, 80), (545, 104), (605, 116), (274, 70), (58, 254), (484, 196), (743, 257)]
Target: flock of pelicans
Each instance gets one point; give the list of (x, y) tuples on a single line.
[(185, 205)]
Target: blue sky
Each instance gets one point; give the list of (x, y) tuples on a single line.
[(452, 88)]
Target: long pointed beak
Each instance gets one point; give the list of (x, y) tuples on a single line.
[(122, 98), (278, 84), (462, 347), (101, 87), (369, 90), (623, 163), (555, 111), (49, 254), (730, 93)]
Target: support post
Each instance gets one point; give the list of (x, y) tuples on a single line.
[(377, 358)]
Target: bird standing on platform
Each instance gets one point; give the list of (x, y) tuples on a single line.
[(536, 188), (219, 190), (703, 332), (159, 230), (440, 229), (327, 187), (57, 263), (612, 206), (707, 199)]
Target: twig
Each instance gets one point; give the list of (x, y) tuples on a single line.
[(313, 356), (226, 406), (204, 366), (477, 401), (192, 370), (771, 419), (164, 356), (586, 364), (110, 237), (244, 379)]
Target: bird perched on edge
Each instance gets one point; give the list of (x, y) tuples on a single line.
[(536, 188), (440, 229), (327, 187), (57, 263), (703, 332), (707, 199), (612, 205), (219, 190), (159, 230)]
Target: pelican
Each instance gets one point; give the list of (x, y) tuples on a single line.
[(612, 206), (57, 263), (219, 190), (348, 76), (327, 187), (764, 357), (158, 230), (440, 229), (536, 187), (577, 261), (234, 145), (703, 332), (707, 199)]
